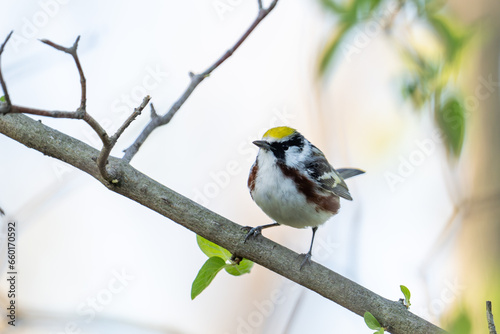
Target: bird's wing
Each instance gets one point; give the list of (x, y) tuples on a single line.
[(326, 176)]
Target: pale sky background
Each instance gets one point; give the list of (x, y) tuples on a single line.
[(91, 261)]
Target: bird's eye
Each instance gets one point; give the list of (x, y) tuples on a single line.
[(278, 150)]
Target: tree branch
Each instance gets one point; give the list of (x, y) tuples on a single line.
[(196, 79), (148, 192), (489, 317), (81, 113)]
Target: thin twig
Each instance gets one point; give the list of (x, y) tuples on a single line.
[(48, 113), (83, 83), (260, 4), (80, 113), (102, 160), (72, 51), (97, 128), (489, 317), (153, 112), (2, 81), (130, 119), (196, 79)]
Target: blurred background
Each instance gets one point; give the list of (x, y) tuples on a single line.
[(406, 90)]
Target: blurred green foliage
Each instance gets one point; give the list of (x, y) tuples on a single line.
[(430, 79), (461, 324)]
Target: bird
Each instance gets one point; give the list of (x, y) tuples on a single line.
[(294, 184)]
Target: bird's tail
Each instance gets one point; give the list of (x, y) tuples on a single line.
[(346, 173)]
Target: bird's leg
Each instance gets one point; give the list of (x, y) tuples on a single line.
[(255, 231), (307, 257)]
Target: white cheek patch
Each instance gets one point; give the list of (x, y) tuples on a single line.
[(295, 156)]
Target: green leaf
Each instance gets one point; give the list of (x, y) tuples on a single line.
[(367, 7), (432, 6), (211, 249), (371, 322), (450, 118), (407, 294), (2, 98), (380, 331), (374, 4), (243, 267), (349, 14), (453, 39), (331, 47), (206, 274), (333, 6)]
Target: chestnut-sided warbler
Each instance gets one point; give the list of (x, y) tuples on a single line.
[(293, 183)]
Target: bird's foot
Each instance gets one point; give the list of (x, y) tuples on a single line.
[(307, 260), (253, 232)]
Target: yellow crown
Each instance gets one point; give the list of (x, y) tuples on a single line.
[(279, 132)]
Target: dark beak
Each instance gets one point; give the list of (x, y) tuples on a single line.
[(262, 144)]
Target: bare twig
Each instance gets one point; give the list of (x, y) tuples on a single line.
[(96, 127), (153, 112), (106, 149), (130, 119), (196, 79), (81, 112), (72, 51), (2, 81), (489, 317), (48, 113)]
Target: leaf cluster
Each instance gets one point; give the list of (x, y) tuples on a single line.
[(429, 79), (218, 258)]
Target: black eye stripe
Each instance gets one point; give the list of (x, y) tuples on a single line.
[(279, 148), (294, 141)]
